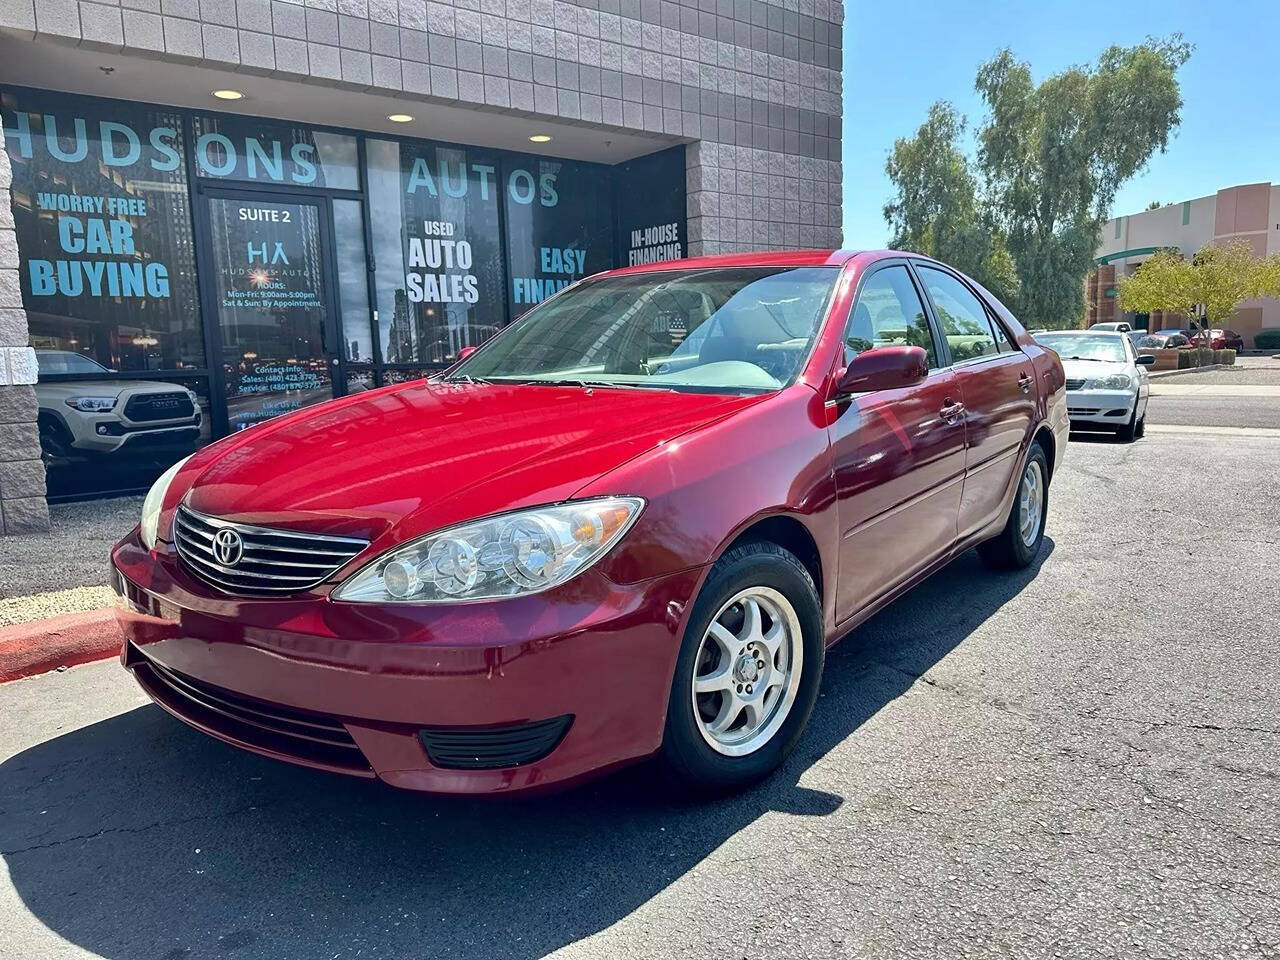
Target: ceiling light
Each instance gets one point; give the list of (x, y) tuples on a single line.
[(399, 117), (228, 94), (539, 138)]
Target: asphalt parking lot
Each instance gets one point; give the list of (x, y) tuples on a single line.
[(1082, 760)]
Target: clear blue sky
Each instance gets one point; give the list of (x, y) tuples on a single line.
[(899, 58)]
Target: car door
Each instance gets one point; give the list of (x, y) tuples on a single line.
[(997, 387), (898, 455)]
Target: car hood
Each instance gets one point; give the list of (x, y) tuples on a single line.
[(420, 456), (102, 388), (1092, 369)]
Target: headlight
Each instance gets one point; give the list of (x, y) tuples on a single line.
[(503, 556), (154, 500), (90, 404), (1119, 381)]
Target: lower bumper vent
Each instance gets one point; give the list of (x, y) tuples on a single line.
[(491, 748), (311, 738)]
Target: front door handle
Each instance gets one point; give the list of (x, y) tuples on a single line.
[(951, 412), (1024, 382)]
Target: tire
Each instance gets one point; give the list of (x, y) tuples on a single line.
[(1128, 431), (1141, 429), (1010, 550), (768, 575)]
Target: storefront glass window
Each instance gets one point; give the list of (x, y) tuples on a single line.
[(436, 246), (353, 282), (559, 225), (263, 151), (104, 230)]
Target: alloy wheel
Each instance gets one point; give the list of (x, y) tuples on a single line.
[(747, 671), (1030, 503)]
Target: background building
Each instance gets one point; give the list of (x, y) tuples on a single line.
[(1250, 213), (179, 263)]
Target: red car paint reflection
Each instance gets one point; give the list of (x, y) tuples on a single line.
[(878, 487)]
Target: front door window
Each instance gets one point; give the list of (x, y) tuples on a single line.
[(274, 308)]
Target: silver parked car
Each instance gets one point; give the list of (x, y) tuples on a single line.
[(1107, 385)]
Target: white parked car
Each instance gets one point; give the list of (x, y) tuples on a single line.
[(80, 418), (1119, 325), (1106, 384)]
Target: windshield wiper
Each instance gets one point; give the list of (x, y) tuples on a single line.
[(464, 378), (1090, 359)]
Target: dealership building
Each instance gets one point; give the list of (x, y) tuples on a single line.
[(212, 213), (1249, 213)]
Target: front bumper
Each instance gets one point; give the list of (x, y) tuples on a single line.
[(1100, 408), (414, 697), (131, 438)]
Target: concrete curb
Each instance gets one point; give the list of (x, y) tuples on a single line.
[(1175, 373), (27, 649)]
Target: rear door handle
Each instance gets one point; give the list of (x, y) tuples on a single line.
[(1024, 382), (951, 412)]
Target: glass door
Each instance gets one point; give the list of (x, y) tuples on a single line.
[(272, 294)]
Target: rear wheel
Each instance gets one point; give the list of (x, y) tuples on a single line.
[(748, 672), (1018, 543)]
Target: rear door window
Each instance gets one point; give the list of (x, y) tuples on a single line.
[(961, 315), (888, 313)]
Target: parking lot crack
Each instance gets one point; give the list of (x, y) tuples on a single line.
[(143, 828)]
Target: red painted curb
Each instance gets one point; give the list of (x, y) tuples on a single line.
[(27, 649)]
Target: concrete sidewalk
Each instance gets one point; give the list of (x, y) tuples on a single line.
[(1161, 389)]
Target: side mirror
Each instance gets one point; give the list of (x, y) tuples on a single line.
[(884, 368), (1145, 359), (466, 352)]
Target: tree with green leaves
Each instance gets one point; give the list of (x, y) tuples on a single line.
[(1209, 286), (1051, 157), (936, 211)]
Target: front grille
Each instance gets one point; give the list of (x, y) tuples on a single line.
[(1075, 384), (300, 734), (145, 407), (1083, 411), (491, 748), (272, 561)]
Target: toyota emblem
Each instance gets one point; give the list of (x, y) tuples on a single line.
[(228, 547)]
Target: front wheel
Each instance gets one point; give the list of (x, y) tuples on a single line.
[(1018, 543), (1127, 432), (748, 672)]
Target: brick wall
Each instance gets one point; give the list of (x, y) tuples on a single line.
[(22, 503)]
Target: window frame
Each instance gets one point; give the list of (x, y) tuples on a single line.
[(942, 356)]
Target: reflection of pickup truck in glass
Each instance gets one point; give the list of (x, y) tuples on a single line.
[(86, 417)]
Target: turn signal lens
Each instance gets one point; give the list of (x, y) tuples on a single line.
[(504, 556)]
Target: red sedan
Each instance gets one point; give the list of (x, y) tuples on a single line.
[(1218, 339), (630, 524)]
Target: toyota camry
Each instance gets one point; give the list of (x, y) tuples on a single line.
[(628, 526)]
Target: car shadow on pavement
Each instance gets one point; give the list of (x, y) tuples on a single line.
[(137, 837)]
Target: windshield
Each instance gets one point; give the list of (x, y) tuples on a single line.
[(1074, 346), (722, 329), (50, 362)]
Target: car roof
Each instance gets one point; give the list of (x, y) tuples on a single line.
[(776, 258), (1086, 333)]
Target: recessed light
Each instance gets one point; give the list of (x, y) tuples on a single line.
[(399, 117), (228, 94), (539, 138)]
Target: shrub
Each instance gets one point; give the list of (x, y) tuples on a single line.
[(1267, 339)]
